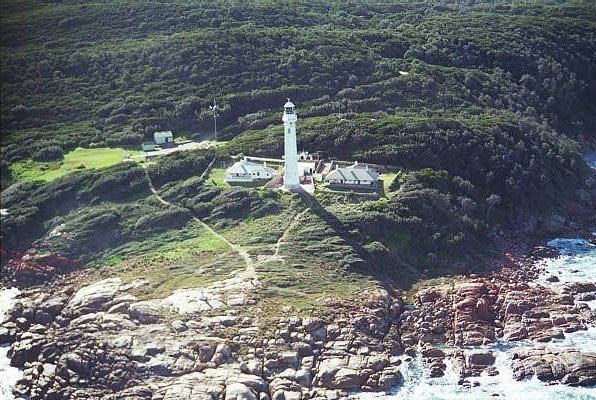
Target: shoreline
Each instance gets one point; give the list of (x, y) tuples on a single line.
[(386, 335), (10, 375)]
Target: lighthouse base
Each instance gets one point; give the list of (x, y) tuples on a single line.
[(301, 188), (292, 188)]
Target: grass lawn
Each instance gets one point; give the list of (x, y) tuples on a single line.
[(73, 161), (387, 178), (172, 245), (216, 178), (176, 259)]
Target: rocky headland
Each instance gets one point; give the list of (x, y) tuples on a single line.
[(80, 341)]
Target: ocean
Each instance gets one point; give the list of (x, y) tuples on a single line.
[(577, 263)]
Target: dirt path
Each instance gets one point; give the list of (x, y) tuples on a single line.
[(290, 226), (249, 272), (208, 169)]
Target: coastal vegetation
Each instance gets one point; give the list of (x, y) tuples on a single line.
[(481, 107), (112, 73), (134, 275)]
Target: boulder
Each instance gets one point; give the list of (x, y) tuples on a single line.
[(388, 378), (579, 287), (479, 359), (50, 308), (26, 350), (348, 379), (146, 312), (312, 323), (587, 297), (327, 370), (6, 335), (238, 391), (567, 366), (91, 298), (222, 354), (540, 252), (433, 352), (483, 309)]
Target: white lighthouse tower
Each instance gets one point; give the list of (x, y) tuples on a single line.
[(291, 180)]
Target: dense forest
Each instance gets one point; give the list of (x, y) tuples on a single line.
[(484, 106), (76, 73)]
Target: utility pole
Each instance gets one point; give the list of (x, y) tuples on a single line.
[(214, 107)]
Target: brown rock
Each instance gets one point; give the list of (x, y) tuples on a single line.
[(567, 366), (480, 358), (466, 303), (433, 352), (579, 287), (483, 309), (312, 323)]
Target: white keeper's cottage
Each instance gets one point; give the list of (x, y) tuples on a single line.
[(247, 172), (355, 176)]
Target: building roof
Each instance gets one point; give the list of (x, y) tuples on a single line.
[(354, 172), (289, 104), (371, 171), (302, 166), (248, 167), (164, 133)]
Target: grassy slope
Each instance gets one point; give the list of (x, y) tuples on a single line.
[(387, 178), (176, 259), (300, 259), (112, 72), (216, 178), (73, 161), (307, 272)]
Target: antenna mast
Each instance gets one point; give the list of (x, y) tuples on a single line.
[(214, 107)]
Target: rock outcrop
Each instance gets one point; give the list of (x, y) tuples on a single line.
[(568, 366), (101, 341), (480, 310)]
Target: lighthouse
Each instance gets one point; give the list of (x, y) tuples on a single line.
[(291, 180)]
